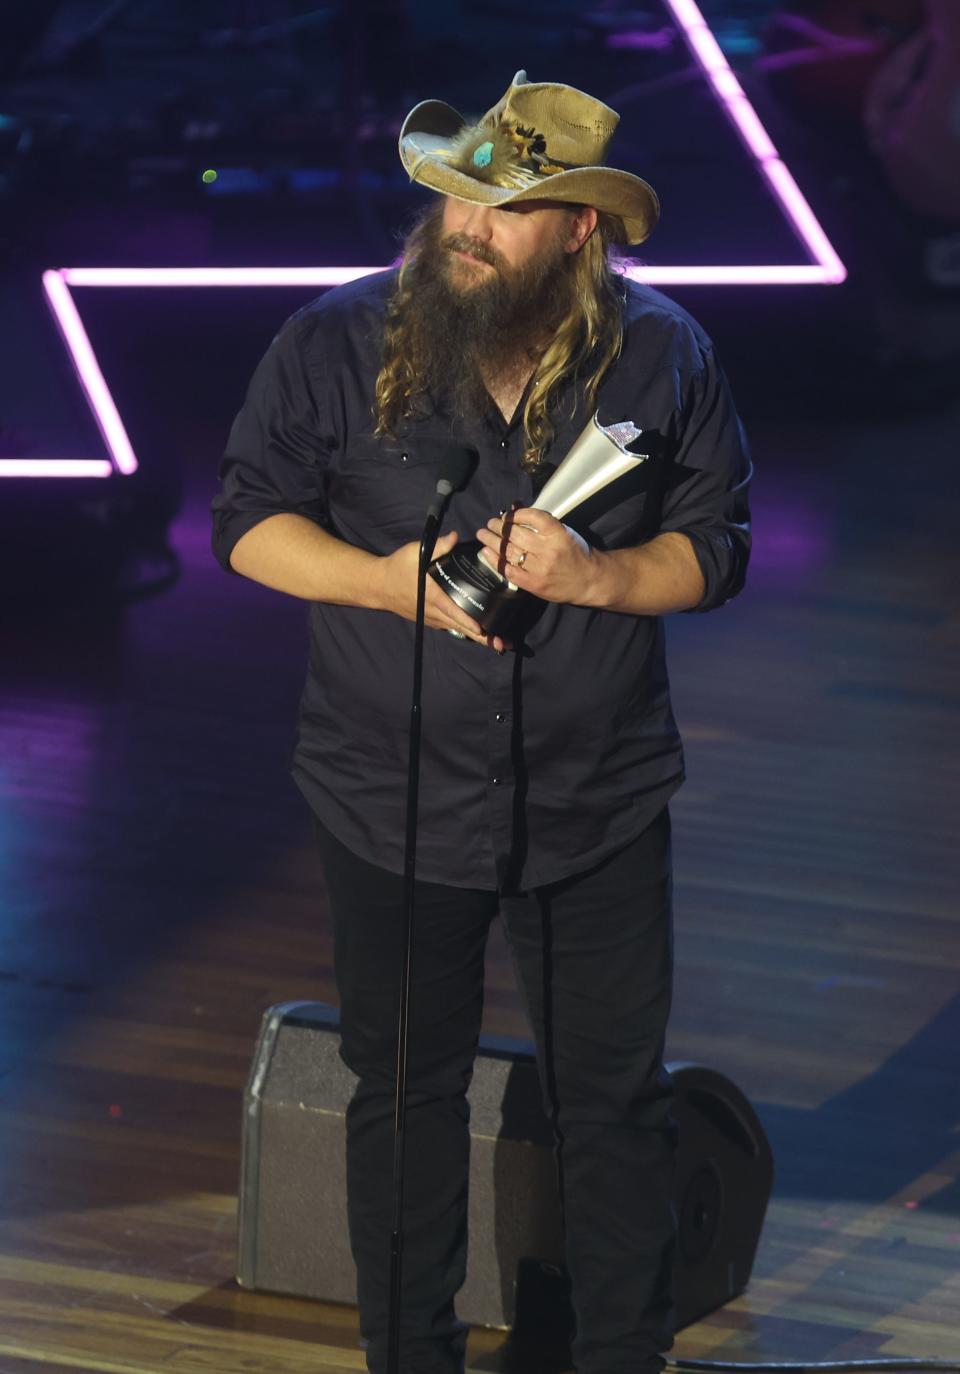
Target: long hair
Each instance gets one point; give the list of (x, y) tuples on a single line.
[(583, 344)]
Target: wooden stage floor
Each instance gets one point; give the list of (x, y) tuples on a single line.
[(160, 890)]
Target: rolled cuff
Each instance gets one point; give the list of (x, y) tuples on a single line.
[(229, 527), (723, 554)]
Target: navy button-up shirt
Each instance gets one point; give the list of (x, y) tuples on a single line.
[(539, 763)]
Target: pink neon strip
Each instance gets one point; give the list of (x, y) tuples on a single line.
[(805, 221), (214, 276), (55, 467), (88, 370), (762, 275), (798, 274), (730, 94)]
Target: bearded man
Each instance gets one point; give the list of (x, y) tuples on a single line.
[(548, 762)]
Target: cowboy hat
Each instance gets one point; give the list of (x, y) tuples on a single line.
[(541, 141)]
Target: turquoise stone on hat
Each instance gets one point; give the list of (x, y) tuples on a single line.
[(482, 155)]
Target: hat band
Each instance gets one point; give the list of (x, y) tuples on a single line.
[(507, 155)]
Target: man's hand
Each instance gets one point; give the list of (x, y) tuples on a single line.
[(539, 554), (397, 584)]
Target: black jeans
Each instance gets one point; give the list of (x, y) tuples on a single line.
[(593, 956)]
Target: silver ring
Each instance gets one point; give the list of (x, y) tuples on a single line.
[(519, 562)]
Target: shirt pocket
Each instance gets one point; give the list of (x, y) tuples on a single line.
[(380, 490)]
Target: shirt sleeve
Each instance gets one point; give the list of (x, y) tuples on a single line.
[(275, 457), (707, 499)]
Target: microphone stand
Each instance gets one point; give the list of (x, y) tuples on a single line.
[(444, 489)]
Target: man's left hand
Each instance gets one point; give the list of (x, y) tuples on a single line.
[(541, 555)]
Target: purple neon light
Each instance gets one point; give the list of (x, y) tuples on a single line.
[(88, 371), (826, 267), (55, 467), (706, 50), (214, 276)]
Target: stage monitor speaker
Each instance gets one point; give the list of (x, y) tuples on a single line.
[(293, 1225)]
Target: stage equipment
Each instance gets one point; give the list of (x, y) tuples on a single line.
[(599, 455), (293, 1220)]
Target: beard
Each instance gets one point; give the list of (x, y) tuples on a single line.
[(468, 323)]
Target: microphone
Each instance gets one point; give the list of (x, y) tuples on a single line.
[(455, 471)]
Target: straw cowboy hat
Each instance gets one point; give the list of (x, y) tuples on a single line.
[(542, 141)]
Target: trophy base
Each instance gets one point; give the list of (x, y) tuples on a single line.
[(485, 595)]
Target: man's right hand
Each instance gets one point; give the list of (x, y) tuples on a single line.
[(295, 555), (397, 579)]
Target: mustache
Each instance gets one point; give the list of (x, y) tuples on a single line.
[(461, 243)]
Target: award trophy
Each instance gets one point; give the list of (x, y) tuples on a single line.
[(598, 457)]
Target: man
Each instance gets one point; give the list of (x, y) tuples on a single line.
[(549, 761)]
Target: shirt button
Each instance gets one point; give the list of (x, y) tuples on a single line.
[(496, 782), (499, 717), (403, 457), (503, 443)]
